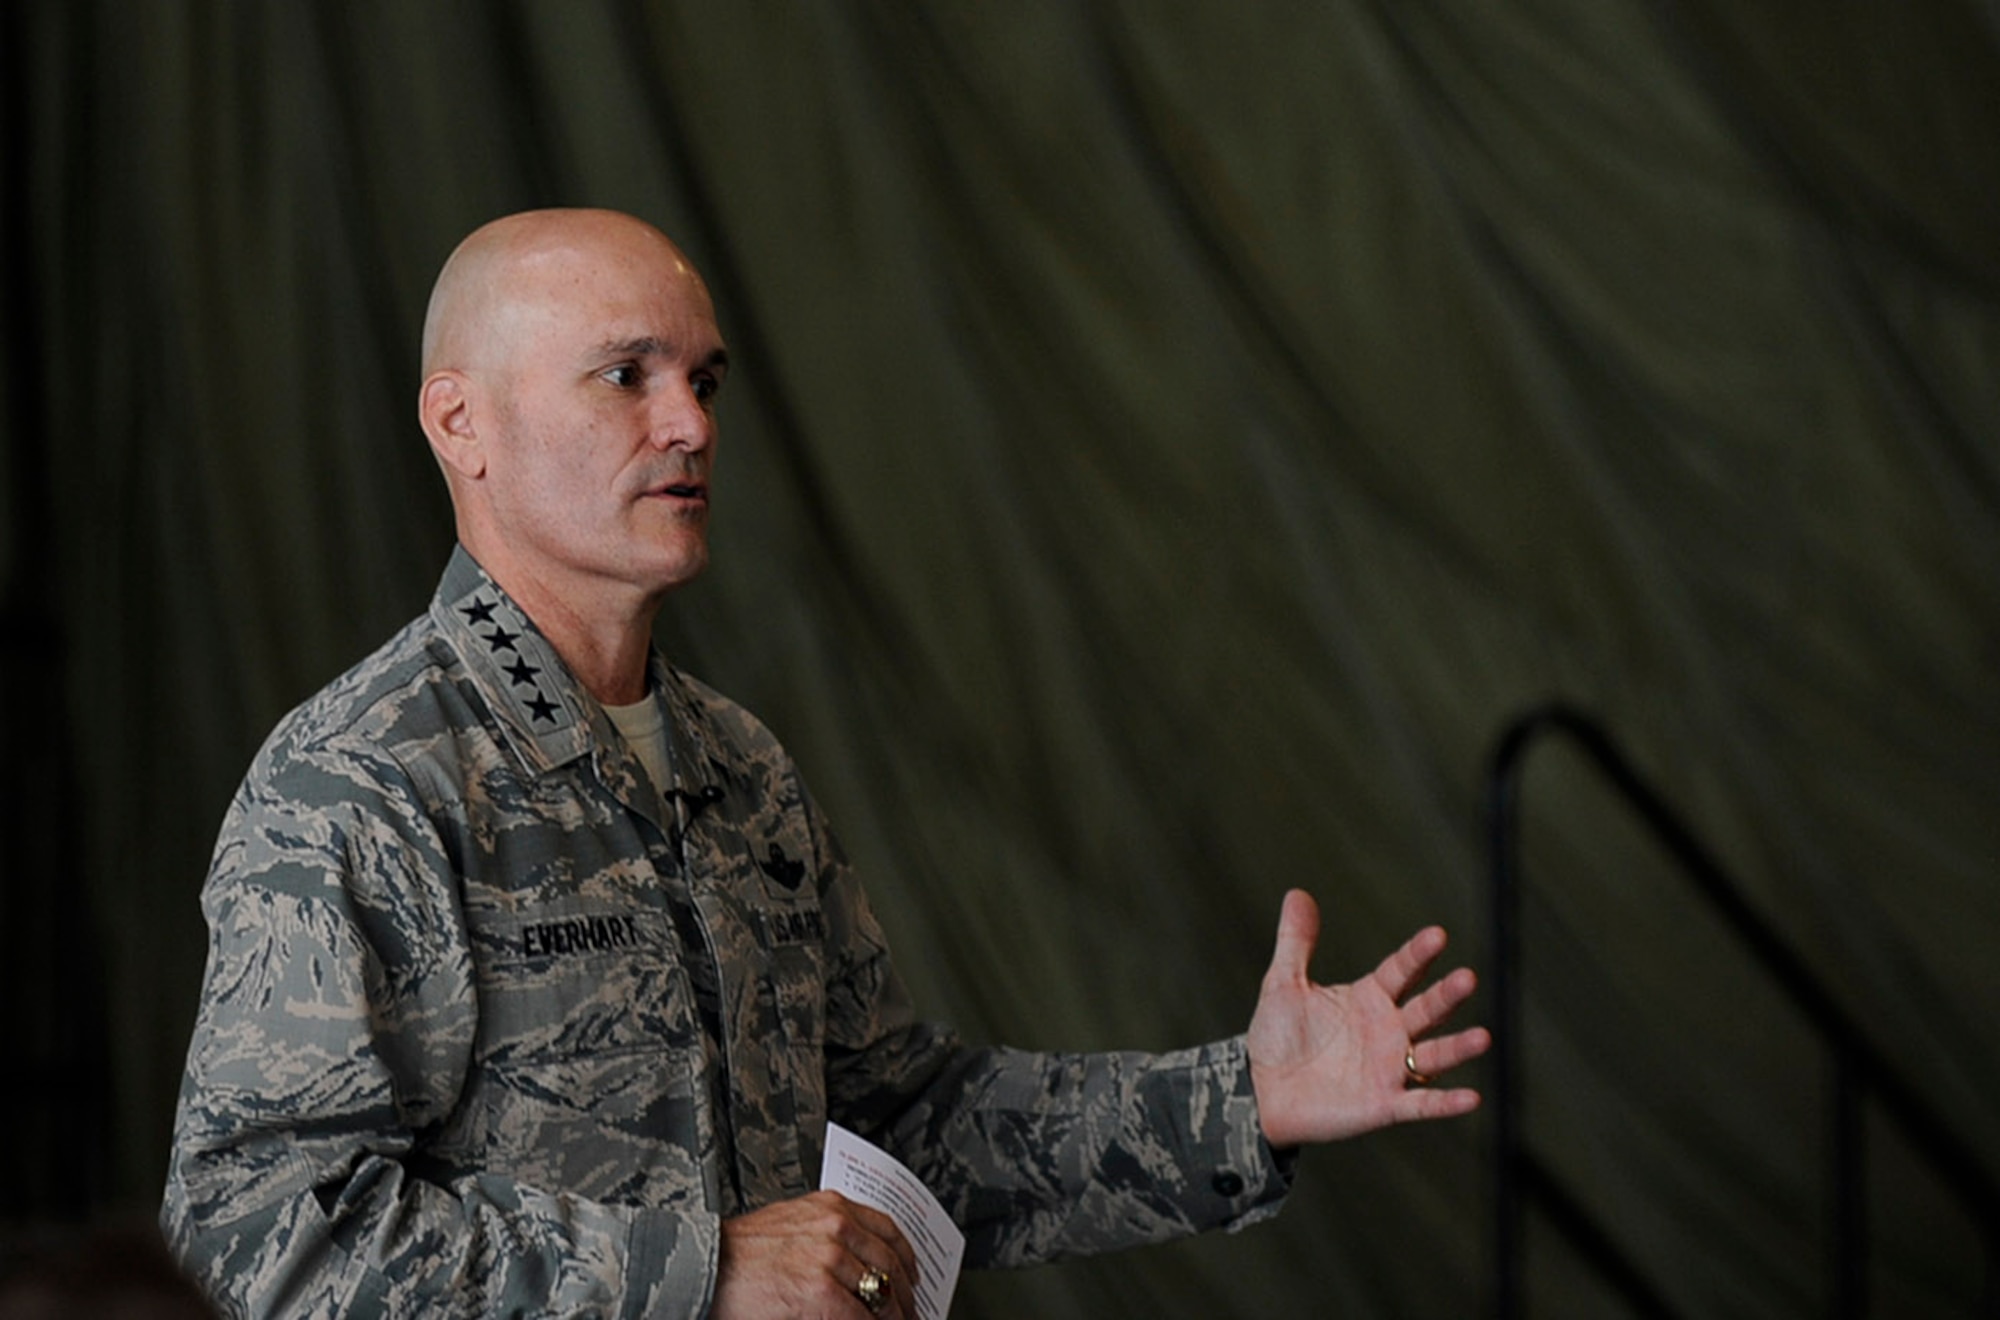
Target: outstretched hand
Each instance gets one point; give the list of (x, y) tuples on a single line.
[(1328, 1061)]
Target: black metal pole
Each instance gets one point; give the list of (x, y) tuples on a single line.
[(1510, 1299), (1848, 1267), (1862, 1072)]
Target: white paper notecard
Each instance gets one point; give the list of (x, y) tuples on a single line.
[(864, 1172)]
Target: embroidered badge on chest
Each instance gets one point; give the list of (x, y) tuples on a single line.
[(804, 926), (783, 871), (578, 935)]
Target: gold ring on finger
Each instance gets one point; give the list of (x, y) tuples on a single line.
[(873, 1290)]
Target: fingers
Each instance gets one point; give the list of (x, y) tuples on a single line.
[(1399, 975), (883, 1247), (1402, 970), (880, 1294), (1420, 1100), (1298, 934), (878, 1246), (808, 1256), (1431, 1009), (1434, 1058), (1424, 1102)]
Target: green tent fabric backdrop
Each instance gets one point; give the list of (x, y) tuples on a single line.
[(1167, 442)]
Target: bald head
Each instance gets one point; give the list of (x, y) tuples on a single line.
[(506, 271), (571, 365)]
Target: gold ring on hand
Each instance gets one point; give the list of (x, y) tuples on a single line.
[(1410, 1067), (873, 1290)]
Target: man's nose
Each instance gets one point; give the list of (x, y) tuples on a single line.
[(680, 420)]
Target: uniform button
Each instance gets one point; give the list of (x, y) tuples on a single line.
[(1228, 1184)]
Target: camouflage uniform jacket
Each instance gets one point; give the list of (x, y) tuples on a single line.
[(448, 1059)]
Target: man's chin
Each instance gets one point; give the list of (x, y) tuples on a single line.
[(677, 569)]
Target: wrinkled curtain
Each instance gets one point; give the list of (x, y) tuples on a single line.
[(1166, 444)]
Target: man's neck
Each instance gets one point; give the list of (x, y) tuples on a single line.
[(604, 635), (610, 661)]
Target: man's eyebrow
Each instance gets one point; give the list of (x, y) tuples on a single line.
[(654, 346)]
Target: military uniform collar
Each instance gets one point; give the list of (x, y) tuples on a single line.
[(545, 713), (543, 709)]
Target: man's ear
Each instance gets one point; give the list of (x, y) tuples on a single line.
[(444, 410)]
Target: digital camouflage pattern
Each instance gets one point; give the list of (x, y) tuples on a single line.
[(449, 1059)]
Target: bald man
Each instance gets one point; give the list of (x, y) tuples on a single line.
[(535, 974)]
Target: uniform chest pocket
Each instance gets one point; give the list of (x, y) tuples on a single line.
[(589, 1056), (565, 986)]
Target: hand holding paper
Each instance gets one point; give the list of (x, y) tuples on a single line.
[(866, 1173)]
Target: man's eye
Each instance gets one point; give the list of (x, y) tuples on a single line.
[(705, 387), (624, 376)]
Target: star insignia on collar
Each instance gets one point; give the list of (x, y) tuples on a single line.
[(522, 672), (479, 611), (500, 639), (542, 708)]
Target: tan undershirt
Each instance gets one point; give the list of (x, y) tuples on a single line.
[(645, 730)]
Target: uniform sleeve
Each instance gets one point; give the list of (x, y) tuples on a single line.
[(335, 1030), (1040, 1156)]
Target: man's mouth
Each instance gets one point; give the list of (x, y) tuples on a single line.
[(683, 490)]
